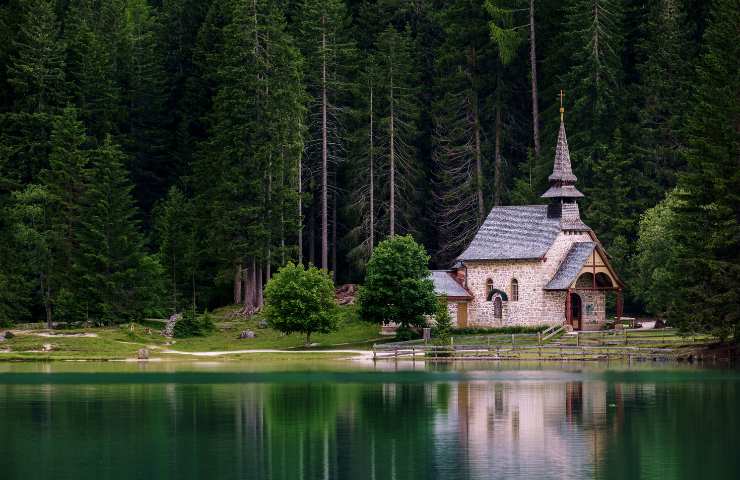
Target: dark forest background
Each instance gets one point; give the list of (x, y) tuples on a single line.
[(159, 154)]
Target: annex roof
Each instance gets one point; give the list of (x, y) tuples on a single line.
[(445, 285), (574, 260), (513, 233)]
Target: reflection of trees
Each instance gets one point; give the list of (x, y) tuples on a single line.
[(678, 430)]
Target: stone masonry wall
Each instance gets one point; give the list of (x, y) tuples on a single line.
[(535, 306)]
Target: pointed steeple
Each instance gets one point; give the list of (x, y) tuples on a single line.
[(562, 192), (562, 181)]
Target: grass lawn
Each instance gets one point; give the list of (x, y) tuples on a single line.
[(120, 342)]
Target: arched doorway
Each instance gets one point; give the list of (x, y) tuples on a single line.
[(575, 311), (497, 308)]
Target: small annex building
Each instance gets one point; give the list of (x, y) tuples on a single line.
[(533, 264)]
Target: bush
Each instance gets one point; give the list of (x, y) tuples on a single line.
[(299, 299), (500, 330), (9, 335), (192, 325), (404, 334), (443, 323), (397, 286)]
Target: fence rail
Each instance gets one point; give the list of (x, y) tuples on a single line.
[(497, 352)]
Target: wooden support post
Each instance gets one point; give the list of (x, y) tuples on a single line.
[(512, 342), (374, 353)]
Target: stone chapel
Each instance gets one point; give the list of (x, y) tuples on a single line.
[(533, 264)]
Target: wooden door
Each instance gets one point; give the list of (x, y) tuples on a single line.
[(462, 314), (575, 311)]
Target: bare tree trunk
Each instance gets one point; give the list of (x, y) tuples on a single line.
[(46, 292), (392, 163), (300, 210), (259, 284), (247, 290), (372, 176), (324, 157), (334, 236), (238, 284), (533, 63), (253, 283), (472, 67), (174, 286), (312, 236), (478, 161), (497, 160)]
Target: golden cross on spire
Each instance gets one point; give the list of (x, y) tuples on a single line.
[(562, 110)]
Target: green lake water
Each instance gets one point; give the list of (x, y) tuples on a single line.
[(213, 420)]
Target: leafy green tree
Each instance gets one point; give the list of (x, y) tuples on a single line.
[(657, 251), (398, 287), (116, 277), (300, 299)]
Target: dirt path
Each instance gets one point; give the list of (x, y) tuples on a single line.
[(359, 353)]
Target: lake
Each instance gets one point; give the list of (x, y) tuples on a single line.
[(342, 420)]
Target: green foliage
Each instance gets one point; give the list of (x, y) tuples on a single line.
[(114, 273), (299, 299), (398, 287), (442, 322), (193, 325), (514, 329)]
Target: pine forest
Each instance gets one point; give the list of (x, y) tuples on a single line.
[(158, 155)]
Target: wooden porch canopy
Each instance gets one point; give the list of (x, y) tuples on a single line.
[(586, 267)]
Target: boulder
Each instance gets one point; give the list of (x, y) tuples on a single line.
[(247, 334), (143, 354), (169, 327), (47, 347)]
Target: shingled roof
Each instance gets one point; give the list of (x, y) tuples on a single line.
[(511, 233), (445, 285), (572, 263), (562, 180)]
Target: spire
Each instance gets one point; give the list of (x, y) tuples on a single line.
[(562, 181)]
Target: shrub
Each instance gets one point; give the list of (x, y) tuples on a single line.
[(501, 330), (405, 333), (192, 325), (9, 335), (397, 286), (443, 323), (299, 299)]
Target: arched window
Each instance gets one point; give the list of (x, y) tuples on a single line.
[(497, 308), (514, 290), (489, 289)]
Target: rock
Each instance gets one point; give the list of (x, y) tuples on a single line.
[(169, 327), (143, 354), (247, 334), (263, 324), (47, 347), (345, 294)]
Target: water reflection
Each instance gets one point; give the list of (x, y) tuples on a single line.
[(559, 425)]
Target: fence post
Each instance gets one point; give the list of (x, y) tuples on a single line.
[(539, 338), (513, 347), (373, 352), (578, 339)]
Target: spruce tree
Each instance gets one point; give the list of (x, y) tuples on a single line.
[(460, 115), (324, 41), (114, 275), (707, 267), (398, 117), (36, 70)]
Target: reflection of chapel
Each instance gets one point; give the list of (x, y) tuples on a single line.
[(533, 264)]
